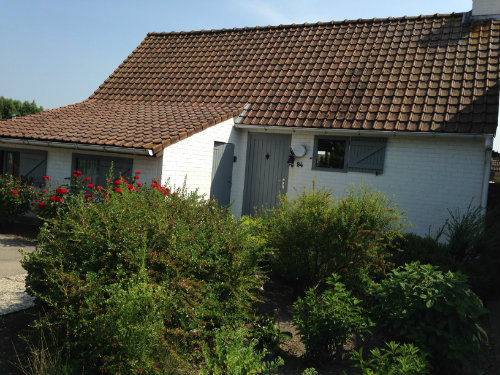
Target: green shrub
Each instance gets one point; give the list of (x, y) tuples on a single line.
[(327, 320), (315, 235), (310, 371), (267, 333), (129, 334), (436, 311), (16, 197), (472, 241), (394, 359), (234, 354), (90, 257), (426, 250), (467, 242)]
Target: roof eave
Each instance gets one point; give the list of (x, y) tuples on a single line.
[(360, 132), (79, 146)]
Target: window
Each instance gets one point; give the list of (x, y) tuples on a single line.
[(97, 167), (9, 162), (355, 154), (330, 153), (30, 165)]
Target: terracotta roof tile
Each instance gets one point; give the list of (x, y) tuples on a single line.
[(114, 123), (426, 73)]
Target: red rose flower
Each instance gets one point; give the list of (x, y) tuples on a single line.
[(46, 178), (117, 182), (44, 191), (118, 190), (86, 179), (52, 198), (136, 177), (90, 186), (75, 175), (98, 187), (139, 184), (41, 205), (15, 192), (137, 172)]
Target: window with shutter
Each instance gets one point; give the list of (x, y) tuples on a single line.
[(354, 154), (33, 165), (30, 165), (367, 155), (97, 167)]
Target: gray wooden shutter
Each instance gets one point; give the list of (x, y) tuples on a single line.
[(33, 165), (367, 155)]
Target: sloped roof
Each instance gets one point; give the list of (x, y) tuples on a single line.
[(416, 74), (115, 123)]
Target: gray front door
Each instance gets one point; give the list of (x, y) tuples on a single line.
[(222, 172), (266, 175)]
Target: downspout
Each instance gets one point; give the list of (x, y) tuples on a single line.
[(488, 143)]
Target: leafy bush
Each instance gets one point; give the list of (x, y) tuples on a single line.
[(54, 201), (467, 242), (16, 196), (234, 354), (327, 320), (315, 235), (129, 334), (436, 311), (394, 359), (472, 241), (178, 260), (426, 250), (267, 333), (310, 371)]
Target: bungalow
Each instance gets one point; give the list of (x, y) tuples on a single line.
[(408, 105)]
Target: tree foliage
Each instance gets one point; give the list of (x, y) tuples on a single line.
[(10, 107)]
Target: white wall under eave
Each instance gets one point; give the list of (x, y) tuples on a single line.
[(190, 160), (59, 162), (426, 176)]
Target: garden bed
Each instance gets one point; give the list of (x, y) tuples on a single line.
[(277, 300)]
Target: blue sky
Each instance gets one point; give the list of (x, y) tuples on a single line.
[(58, 52)]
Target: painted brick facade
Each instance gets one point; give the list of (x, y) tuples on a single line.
[(59, 160), (426, 176), (190, 160)]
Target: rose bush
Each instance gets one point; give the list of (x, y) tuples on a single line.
[(15, 196), (99, 256)]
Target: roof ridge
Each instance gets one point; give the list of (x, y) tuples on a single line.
[(306, 24)]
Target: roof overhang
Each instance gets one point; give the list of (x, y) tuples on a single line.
[(79, 146), (367, 133)]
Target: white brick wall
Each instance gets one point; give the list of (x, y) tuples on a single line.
[(425, 176), (191, 159), (59, 162)]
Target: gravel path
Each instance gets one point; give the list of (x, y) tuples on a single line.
[(12, 294)]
